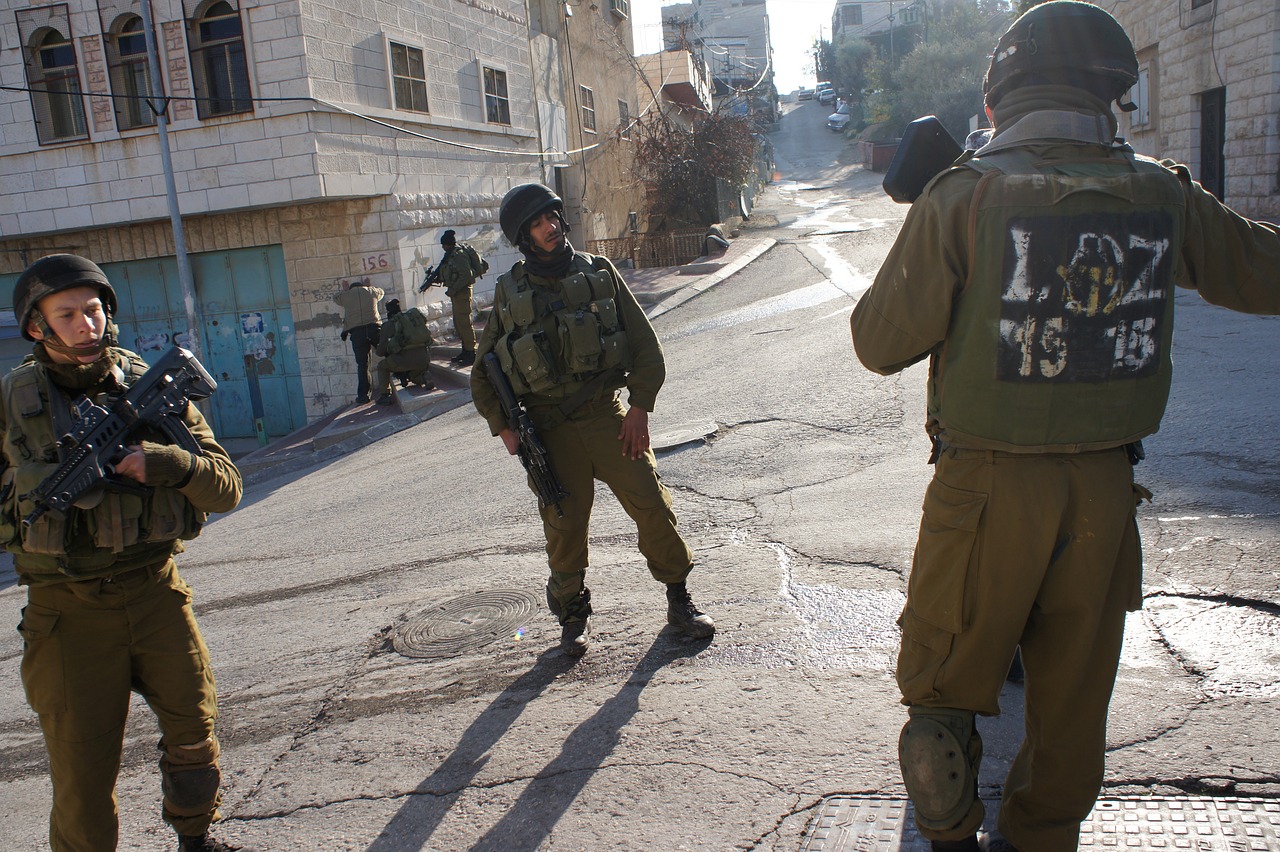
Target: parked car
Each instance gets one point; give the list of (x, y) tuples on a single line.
[(804, 94), (839, 119), (826, 96)]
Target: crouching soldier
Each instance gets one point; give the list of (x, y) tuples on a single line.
[(404, 344), (106, 611)]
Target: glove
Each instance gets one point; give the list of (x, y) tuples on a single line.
[(344, 336)]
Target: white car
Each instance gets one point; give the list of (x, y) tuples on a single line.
[(826, 96)]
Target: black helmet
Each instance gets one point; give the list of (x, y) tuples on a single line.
[(393, 307), (449, 238), (523, 203), (1063, 41), (53, 274)]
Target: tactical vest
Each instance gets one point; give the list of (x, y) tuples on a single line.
[(557, 338), (120, 532), (461, 268), (409, 330), (1060, 339)]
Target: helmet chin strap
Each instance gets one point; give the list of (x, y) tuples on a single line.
[(52, 342)]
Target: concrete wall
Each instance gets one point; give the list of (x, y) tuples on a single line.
[(1235, 46)]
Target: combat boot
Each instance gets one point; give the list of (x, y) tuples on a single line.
[(683, 614), (386, 399), (575, 637), (467, 358), (206, 843)]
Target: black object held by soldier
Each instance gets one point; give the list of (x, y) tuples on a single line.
[(531, 453)]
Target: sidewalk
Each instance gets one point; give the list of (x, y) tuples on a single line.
[(658, 291)]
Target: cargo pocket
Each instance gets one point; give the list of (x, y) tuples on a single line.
[(42, 669), (580, 341), (944, 553)]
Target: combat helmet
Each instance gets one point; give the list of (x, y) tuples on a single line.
[(53, 274), (524, 202), (1063, 41)]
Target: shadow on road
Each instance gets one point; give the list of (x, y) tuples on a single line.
[(533, 815)]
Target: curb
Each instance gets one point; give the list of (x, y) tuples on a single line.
[(684, 294)]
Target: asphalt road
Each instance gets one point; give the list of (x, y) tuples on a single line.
[(386, 669)]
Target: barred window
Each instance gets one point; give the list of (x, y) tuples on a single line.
[(130, 75), (219, 68), (587, 102), (55, 80), (497, 106), (408, 77), (624, 119), (621, 8)]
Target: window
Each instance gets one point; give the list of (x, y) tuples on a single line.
[(1196, 4), (587, 101), (219, 70), (52, 73), (497, 108), (130, 76), (624, 120), (408, 77), (621, 8), (851, 16), (1141, 94)]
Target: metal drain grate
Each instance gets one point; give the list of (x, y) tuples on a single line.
[(1203, 824), (465, 623)]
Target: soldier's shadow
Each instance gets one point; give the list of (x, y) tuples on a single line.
[(535, 813)]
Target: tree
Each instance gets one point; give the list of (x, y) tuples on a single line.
[(943, 75), (680, 166)]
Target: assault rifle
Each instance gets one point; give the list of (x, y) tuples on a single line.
[(531, 452), (102, 436), (433, 277)]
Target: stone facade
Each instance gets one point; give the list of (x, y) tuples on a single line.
[(1186, 52), (324, 164)]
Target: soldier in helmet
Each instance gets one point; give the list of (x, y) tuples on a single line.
[(569, 335), (404, 344), (107, 612), (1038, 277), (459, 269)]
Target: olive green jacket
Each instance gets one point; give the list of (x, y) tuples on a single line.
[(209, 482), (643, 380), (906, 314)]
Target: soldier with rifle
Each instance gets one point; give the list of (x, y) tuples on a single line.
[(105, 469), (567, 335)]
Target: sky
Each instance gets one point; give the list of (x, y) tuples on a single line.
[(793, 26)]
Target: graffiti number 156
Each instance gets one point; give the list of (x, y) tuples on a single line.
[(370, 262)]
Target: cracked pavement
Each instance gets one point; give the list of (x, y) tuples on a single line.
[(801, 506)]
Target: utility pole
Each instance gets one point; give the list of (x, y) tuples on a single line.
[(161, 108)]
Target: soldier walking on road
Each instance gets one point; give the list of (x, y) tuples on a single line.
[(405, 346), (1038, 279), (361, 321), (106, 611), (459, 269), (569, 335)]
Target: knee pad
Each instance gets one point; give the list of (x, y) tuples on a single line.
[(938, 769), (190, 778)]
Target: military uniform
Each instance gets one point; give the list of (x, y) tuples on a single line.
[(405, 346), (107, 611), (568, 346), (459, 269), (1039, 281), (361, 322)]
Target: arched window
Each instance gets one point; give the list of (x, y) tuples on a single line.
[(55, 79), (130, 74), (219, 69)]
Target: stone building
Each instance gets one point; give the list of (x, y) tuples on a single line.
[(1209, 94), (314, 142)]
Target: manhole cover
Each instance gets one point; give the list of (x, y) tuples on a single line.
[(1203, 824), (465, 623)]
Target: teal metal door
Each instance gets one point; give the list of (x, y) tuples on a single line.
[(247, 333)]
